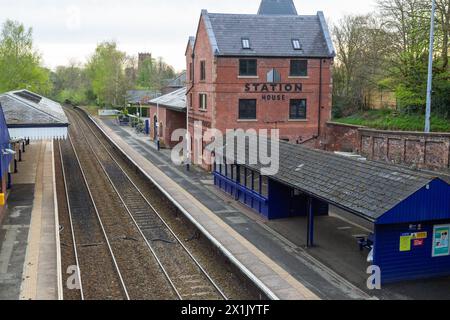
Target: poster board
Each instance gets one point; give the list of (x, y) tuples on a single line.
[(441, 245)]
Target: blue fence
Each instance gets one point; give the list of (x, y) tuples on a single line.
[(248, 197)]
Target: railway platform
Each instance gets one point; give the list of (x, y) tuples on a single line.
[(331, 271), (285, 271), (28, 234)]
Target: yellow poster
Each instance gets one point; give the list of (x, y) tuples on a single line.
[(405, 243)]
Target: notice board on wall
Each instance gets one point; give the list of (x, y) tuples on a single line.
[(441, 245)]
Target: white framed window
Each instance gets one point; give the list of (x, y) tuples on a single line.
[(245, 43), (203, 101), (296, 44)]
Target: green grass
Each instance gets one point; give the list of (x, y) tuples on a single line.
[(92, 110), (394, 120)]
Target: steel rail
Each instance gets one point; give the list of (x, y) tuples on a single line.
[(100, 221), (203, 271), (249, 274), (69, 210)]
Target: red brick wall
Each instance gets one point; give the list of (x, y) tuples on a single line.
[(224, 88), (415, 149), (273, 114), (341, 137), (169, 122)]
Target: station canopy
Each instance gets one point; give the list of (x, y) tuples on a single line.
[(32, 116), (375, 191), (175, 100)]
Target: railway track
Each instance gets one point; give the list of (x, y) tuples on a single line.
[(187, 278), (96, 273)]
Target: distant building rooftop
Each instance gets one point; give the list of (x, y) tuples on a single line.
[(277, 7), (141, 96)]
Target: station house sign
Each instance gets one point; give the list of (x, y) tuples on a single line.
[(273, 90)]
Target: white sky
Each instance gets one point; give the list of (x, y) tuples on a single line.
[(67, 30)]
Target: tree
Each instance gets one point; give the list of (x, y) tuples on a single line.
[(443, 17), (408, 22), (19, 62), (71, 83), (153, 74), (362, 50), (106, 71)]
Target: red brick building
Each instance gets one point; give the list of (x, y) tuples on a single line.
[(271, 70), (167, 114)]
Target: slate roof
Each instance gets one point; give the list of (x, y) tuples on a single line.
[(277, 7), (141, 96), (175, 100), (366, 188), (24, 108), (269, 35)]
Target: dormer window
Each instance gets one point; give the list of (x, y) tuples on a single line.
[(296, 44), (245, 43)]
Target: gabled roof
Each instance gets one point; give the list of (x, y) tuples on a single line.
[(191, 44), (175, 100), (366, 188), (25, 108), (141, 96), (269, 35), (277, 7)]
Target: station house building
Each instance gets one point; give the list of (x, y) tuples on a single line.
[(270, 70)]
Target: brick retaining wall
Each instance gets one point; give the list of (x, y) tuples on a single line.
[(415, 149)]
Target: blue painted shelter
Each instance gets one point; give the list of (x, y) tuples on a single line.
[(5, 157), (410, 209)]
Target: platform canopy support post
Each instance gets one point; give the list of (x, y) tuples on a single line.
[(310, 234)]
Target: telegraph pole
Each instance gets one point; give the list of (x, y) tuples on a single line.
[(430, 71)]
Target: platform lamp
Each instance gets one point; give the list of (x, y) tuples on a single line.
[(157, 127), (430, 71)]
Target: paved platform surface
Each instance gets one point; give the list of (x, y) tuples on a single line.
[(334, 269), (284, 267), (28, 260)]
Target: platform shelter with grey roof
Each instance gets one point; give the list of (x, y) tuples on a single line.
[(32, 116), (175, 100), (404, 205)]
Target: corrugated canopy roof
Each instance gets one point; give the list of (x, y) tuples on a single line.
[(175, 100), (269, 35), (366, 188)]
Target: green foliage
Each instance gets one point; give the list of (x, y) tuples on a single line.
[(388, 50), (71, 84), (106, 71), (19, 62), (387, 119), (152, 74)]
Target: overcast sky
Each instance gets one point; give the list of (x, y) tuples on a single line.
[(70, 29)]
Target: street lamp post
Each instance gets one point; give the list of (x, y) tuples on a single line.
[(157, 126), (430, 71)]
